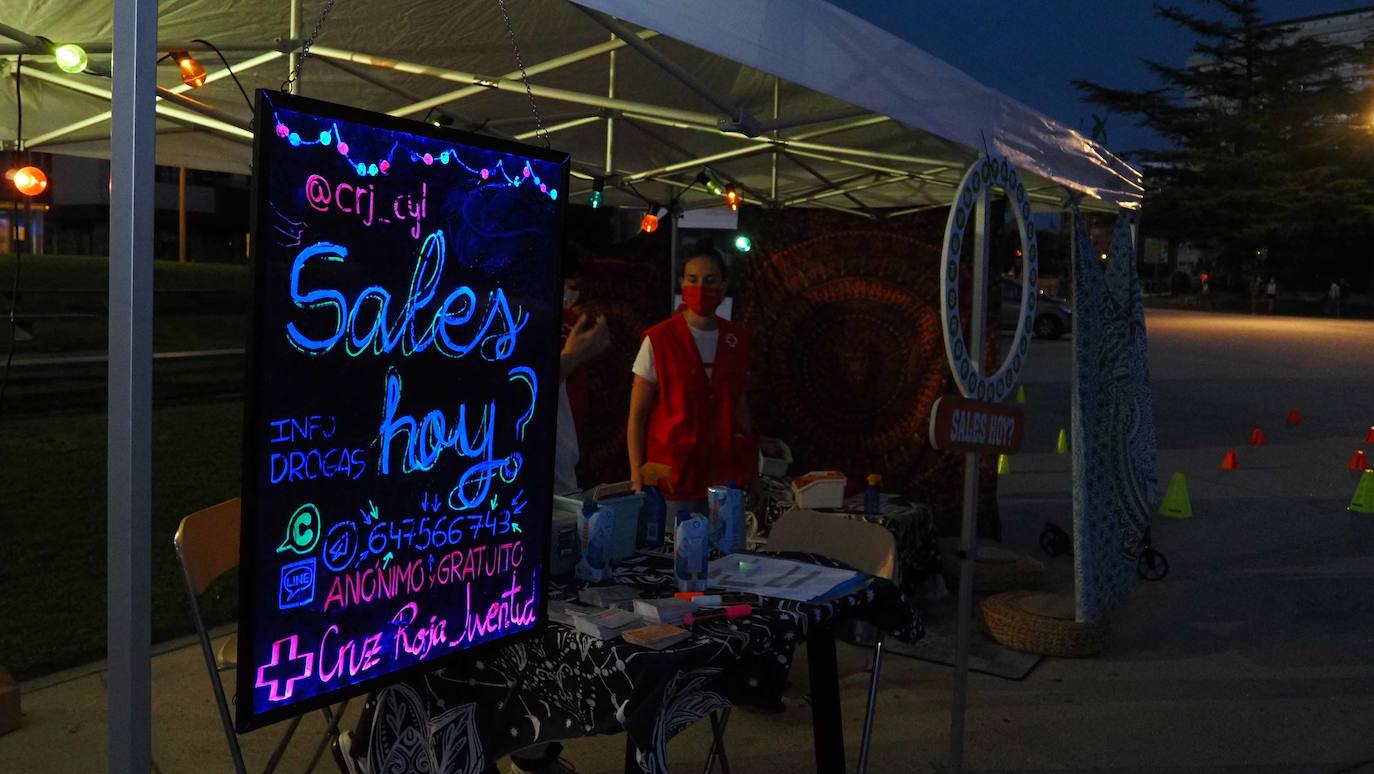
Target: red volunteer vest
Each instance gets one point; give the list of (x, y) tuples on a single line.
[(692, 421)]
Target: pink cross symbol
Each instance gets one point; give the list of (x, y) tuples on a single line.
[(292, 657)]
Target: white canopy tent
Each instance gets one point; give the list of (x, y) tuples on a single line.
[(796, 101)]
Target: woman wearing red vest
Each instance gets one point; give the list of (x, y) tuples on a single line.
[(689, 409)]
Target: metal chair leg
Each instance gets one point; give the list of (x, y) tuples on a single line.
[(872, 704), (281, 746), (718, 721), (330, 732)]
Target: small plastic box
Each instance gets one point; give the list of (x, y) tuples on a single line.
[(819, 489), (775, 467)]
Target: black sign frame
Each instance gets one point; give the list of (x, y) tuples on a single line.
[(246, 719)]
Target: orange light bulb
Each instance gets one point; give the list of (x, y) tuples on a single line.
[(29, 181), (650, 223)]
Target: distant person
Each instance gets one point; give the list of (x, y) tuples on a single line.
[(1206, 292), (1271, 293), (689, 410), (1333, 299), (1256, 283), (584, 337)]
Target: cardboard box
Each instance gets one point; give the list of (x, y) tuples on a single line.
[(819, 489), (9, 702)]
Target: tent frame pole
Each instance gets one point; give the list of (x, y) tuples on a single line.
[(166, 111), (292, 57), (129, 434), (610, 119), (591, 52), (77, 126)]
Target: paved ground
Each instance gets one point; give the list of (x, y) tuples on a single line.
[(1256, 654)]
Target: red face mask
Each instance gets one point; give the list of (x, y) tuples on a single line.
[(701, 299)]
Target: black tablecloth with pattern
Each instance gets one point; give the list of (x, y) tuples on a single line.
[(564, 684)]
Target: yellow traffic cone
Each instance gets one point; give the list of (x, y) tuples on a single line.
[(1003, 465), (1176, 502), (1363, 501), (1021, 394), (1062, 446)]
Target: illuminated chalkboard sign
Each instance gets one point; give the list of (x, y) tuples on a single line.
[(400, 419)]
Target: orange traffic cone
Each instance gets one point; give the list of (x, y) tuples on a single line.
[(1294, 417), (1257, 437), (1369, 437), (1358, 462), (1230, 461)]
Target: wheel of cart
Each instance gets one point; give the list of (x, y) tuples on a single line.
[(1151, 565), (1055, 541)]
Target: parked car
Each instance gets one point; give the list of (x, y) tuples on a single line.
[(1053, 315)]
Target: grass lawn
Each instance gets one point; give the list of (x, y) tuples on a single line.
[(52, 528)]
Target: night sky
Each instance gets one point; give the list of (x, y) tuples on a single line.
[(1030, 50)]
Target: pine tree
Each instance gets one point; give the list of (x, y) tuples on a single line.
[(1272, 148)]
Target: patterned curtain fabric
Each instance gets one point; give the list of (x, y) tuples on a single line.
[(1114, 486)]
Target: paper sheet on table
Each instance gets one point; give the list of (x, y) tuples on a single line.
[(781, 578)]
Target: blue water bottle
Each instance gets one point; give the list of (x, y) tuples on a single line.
[(873, 497), (652, 515)]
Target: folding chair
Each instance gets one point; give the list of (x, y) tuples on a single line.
[(207, 544), (866, 547)]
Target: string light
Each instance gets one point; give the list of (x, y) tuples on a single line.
[(710, 183), (649, 223), (743, 243), (29, 181), (71, 58), (192, 73), (597, 194), (732, 199)]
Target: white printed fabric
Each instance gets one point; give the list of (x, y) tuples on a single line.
[(1114, 485), (564, 684)]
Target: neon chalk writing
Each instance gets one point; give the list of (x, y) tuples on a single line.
[(361, 202), (367, 324), (280, 675), (426, 440), (376, 583), (477, 562), (306, 428), (316, 463), (302, 530), (504, 614), (297, 587), (340, 546), (417, 642), (421, 534), (355, 656)]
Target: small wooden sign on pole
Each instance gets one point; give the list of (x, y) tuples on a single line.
[(963, 425)]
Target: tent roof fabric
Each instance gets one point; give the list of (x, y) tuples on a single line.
[(875, 122)]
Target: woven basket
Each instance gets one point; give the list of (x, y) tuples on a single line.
[(1042, 623), (995, 570)]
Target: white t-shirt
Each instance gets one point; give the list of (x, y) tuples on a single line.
[(706, 341), (566, 452)]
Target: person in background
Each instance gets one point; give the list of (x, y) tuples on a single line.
[(1255, 284), (1333, 299), (689, 410), (584, 338), (1271, 292)]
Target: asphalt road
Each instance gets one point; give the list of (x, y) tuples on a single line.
[(1256, 653)]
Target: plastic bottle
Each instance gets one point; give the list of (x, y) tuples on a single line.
[(690, 551), (726, 504), (652, 515), (873, 497), (594, 532)]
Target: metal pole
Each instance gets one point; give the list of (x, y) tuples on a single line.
[(968, 535), (129, 452), (294, 31), (773, 171), (181, 215), (672, 258), (610, 119)]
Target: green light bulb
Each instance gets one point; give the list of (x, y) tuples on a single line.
[(743, 244), (594, 199), (71, 58)]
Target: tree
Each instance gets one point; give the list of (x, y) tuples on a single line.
[(1271, 143)]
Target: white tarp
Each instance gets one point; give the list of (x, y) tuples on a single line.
[(827, 60)]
